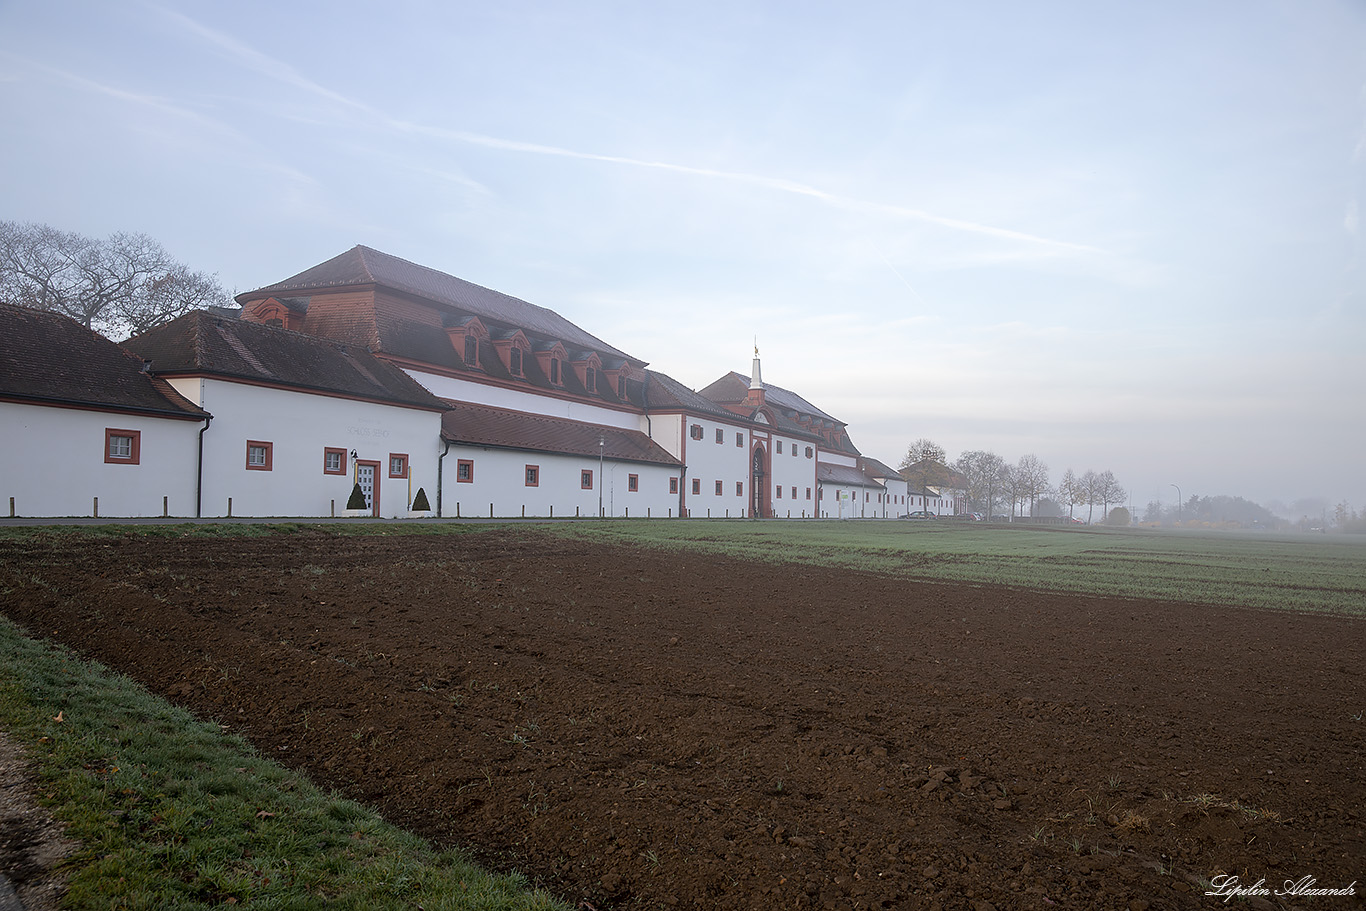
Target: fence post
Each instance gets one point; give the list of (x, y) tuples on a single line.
[(95, 508)]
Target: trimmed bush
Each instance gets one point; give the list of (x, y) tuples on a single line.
[(357, 500), (420, 503)]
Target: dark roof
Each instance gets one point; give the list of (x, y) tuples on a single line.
[(47, 358), (843, 474), (479, 425), (879, 469), (734, 388), (201, 343), (363, 265), (667, 394)]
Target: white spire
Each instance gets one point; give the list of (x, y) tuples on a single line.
[(755, 380)]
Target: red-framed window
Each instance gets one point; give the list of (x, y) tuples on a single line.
[(398, 464), (590, 380), (471, 351), (696, 486), (633, 482), (533, 476), (808, 493), (695, 431), (334, 460), (780, 487), (555, 371), (464, 471), (794, 493), (586, 479), (718, 488), (809, 452), (739, 488), (720, 435), (673, 485), (739, 439), (260, 455), (780, 447), (122, 447), (515, 361)]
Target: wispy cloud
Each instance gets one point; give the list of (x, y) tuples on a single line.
[(286, 74)]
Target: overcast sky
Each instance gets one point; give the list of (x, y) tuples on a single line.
[(1117, 236)]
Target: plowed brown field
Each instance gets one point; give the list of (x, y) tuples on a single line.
[(638, 728)]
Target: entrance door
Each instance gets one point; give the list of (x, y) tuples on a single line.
[(365, 477), (758, 484)]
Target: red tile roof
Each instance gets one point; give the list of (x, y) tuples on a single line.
[(479, 425), (46, 358)]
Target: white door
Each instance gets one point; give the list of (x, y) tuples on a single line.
[(365, 477)]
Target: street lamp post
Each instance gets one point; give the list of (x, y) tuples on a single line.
[(1178, 504), (602, 444)]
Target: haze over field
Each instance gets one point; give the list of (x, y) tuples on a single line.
[(1124, 238)]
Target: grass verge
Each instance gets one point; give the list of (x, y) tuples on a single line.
[(172, 812)]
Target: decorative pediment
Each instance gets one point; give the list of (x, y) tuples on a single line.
[(552, 357), (512, 347), (465, 333), (274, 312)]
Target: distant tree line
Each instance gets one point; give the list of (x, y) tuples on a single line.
[(1023, 488), (122, 285)]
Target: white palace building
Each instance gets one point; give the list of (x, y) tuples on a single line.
[(373, 371)]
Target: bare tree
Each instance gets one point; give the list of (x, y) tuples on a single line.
[(982, 470), (1089, 489), (125, 284), (1069, 490), (922, 450), (1109, 491), (1031, 478)]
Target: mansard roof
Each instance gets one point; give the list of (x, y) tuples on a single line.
[(792, 414), (481, 425), (201, 343), (879, 469), (363, 265), (50, 359)]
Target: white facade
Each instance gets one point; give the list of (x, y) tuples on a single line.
[(718, 458), (297, 429), (491, 482), (55, 462)]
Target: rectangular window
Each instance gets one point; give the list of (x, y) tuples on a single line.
[(471, 351), (696, 486), (259, 455), (398, 465), (515, 361), (720, 435), (334, 460), (673, 485), (820, 493), (555, 370), (794, 493), (590, 380), (586, 479), (464, 471), (808, 452), (808, 493), (633, 482), (780, 491), (122, 447), (718, 488), (533, 476), (794, 450), (780, 447), (739, 488), (739, 439), (695, 431)]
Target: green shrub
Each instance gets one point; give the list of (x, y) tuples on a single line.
[(357, 500), (420, 503)]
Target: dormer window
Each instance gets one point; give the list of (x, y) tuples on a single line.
[(555, 371), (471, 351), (515, 361), (590, 380)]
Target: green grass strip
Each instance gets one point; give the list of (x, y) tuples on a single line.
[(1302, 573), (172, 813)]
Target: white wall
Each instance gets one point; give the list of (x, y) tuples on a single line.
[(299, 427), (708, 462), (498, 486), (531, 402), (52, 463), (789, 471)]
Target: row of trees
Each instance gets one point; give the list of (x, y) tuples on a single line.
[(119, 286), (1024, 486)]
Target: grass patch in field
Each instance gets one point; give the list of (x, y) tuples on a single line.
[(1299, 573), (171, 812)]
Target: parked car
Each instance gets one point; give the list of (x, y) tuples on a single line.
[(963, 517), (919, 514)]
